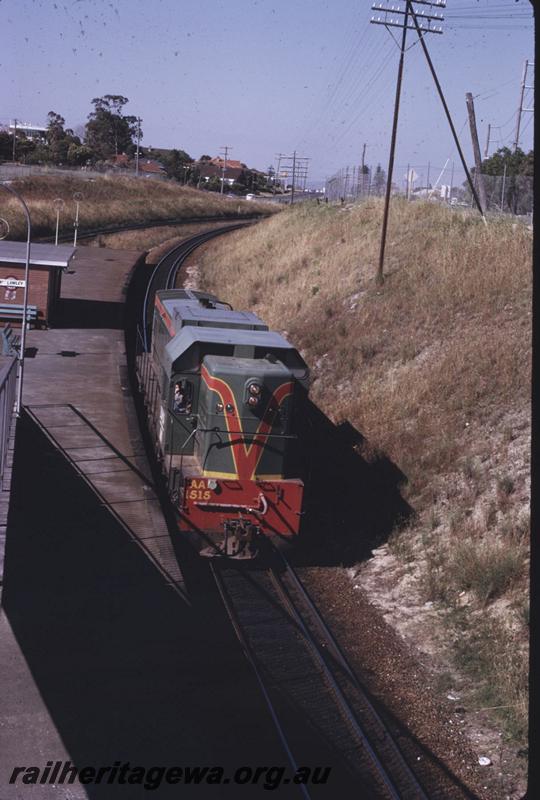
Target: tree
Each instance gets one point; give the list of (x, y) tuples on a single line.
[(177, 164), (516, 163), (212, 184), (55, 128), (79, 154), (6, 146), (508, 178), (205, 158), (108, 131), (25, 147)]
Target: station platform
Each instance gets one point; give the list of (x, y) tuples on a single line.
[(102, 659)]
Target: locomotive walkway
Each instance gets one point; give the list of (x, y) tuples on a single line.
[(102, 659)]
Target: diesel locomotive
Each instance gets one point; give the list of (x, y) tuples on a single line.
[(223, 394)]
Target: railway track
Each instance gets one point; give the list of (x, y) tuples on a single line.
[(135, 226), (166, 271), (320, 710), (318, 706)]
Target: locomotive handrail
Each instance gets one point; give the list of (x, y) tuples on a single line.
[(245, 435)]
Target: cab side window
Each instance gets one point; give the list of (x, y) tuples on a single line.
[(182, 397)]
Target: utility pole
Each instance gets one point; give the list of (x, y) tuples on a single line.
[(379, 277), (390, 16), (14, 138), (138, 143), (363, 166), (521, 98), (294, 165), (420, 31), (279, 156), (408, 184), (225, 150), (487, 141), (503, 188), (476, 150), (293, 175)]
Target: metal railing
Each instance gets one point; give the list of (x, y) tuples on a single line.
[(8, 385)]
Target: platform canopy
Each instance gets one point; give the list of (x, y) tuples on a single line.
[(41, 255)]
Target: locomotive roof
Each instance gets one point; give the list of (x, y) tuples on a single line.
[(177, 355), (192, 312)]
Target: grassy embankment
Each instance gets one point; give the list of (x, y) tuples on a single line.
[(110, 201), (434, 369)]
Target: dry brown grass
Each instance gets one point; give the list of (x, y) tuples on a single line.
[(433, 368), (157, 240), (110, 200), (418, 361)]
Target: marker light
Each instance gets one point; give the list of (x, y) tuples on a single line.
[(219, 408)]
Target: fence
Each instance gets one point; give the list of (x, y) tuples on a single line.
[(13, 171), (506, 194), (8, 381)]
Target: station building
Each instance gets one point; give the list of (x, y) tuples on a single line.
[(47, 262)]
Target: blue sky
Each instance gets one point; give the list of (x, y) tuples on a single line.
[(269, 76)]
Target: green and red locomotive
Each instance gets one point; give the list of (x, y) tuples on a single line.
[(222, 395)]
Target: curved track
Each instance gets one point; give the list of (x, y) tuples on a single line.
[(136, 226), (321, 712), (313, 696), (166, 270)]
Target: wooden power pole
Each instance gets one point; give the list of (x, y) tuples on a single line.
[(476, 150), (14, 139)]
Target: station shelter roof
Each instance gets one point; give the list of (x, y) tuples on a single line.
[(41, 255)]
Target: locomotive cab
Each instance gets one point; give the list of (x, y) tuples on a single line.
[(245, 407)]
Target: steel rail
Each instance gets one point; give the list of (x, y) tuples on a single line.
[(342, 702), (341, 660), (178, 254), (253, 661), (163, 223)]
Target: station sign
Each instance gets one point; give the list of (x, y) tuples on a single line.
[(12, 283)]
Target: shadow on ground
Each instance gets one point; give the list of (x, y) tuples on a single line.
[(126, 669), (88, 314), (352, 504)]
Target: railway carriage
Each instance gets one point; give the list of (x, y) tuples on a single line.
[(223, 394)]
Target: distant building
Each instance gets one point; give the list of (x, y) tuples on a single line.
[(147, 166), (214, 169), (120, 160), (33, 132)]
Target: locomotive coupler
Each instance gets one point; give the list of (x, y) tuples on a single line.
[(240, 539)]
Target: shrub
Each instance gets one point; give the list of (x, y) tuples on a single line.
[(486, 568)]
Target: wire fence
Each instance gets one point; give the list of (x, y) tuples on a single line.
[(505, 194)]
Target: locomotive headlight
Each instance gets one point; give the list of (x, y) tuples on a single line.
[(255, 389), (253, 400)]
